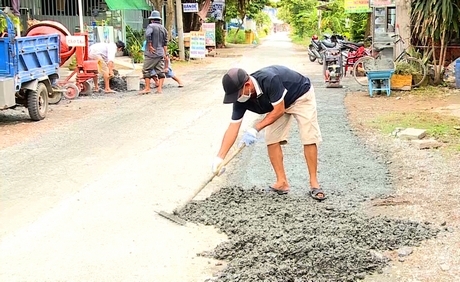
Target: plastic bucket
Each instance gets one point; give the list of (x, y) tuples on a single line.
[(133, 82)]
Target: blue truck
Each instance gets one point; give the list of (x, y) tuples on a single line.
[(28, 71)]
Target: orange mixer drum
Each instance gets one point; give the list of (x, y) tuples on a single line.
[(52, 27)]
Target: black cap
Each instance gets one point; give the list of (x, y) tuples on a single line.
[(232, 82)]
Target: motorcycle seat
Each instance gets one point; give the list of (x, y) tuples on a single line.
[(316, 43), (328, 44), (357, 44)]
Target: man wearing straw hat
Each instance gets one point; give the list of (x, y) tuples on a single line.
[(155, 52)]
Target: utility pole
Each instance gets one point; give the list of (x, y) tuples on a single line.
[(80, 15), (180, 29)]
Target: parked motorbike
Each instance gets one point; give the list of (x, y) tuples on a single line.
[(317, 47)]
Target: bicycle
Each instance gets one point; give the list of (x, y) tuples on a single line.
[(366, 63)]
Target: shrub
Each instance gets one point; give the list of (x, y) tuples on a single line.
[(238, 38), (134, 40)]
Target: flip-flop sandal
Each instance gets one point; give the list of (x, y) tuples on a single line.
[(314, 194), (180, 86), (277, 191)]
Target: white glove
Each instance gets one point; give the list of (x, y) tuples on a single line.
[(249, 137), (215, 165)]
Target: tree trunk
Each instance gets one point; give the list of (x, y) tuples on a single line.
[(369, 26), (170, 16), (158, 5)]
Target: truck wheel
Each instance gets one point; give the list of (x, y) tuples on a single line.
[(37, 102), (71, 91), (54, 97)]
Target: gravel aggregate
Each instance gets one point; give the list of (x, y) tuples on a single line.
[(290, 238), (293, 237)]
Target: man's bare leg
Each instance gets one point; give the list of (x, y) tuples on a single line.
[(107, 84), (275, 153), (160, 85), (311, 157), (96, 83), (147, 86), (155, 79), (175, 78)]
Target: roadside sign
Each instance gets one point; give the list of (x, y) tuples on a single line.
[(210, 33), (197, 44), (75, 40), (382, 3), (190, 7)]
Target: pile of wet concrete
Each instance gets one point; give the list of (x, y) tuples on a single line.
[(294, 238), (116, 83)]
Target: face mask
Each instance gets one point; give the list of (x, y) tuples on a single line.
[(243, 98)]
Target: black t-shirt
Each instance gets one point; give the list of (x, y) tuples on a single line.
[(276, 83)]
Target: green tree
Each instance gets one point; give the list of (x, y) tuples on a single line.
[(334, 18), (435, 23), (301, 15), (358, 26), (240, 9)]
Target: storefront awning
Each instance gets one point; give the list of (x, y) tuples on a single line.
[(128, 5)]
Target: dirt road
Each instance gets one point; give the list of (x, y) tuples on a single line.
[(79, 189)]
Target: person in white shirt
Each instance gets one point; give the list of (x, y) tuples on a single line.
[(105, 53)]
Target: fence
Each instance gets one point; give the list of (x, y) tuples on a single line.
[(66, 12)]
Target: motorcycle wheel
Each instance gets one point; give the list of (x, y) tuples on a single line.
[(311, 57)]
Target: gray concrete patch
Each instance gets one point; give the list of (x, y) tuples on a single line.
[(292, 238)]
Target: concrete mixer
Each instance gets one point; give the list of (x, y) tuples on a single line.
[(69, 45)]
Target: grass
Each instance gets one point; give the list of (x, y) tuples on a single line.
[(440, 127), (429, 91), (236, 38)]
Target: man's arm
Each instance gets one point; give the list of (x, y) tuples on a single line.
[(276, 96), (165, 43), (111, 54), (148, 38), (167, 62), (229, 139), (271, 117), (110, 65)]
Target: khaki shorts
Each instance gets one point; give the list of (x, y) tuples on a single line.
[(102, 66), (305, 113), (157, 64)]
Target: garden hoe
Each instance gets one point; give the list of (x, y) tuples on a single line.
[(173, 216)]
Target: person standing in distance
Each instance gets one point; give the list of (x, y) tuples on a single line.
[(155, 52), (282, 94)]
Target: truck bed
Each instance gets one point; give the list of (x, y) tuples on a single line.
[(28, 58)]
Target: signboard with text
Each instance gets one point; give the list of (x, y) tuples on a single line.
[(190, 7), (216, 11), (75, 40), (197, 44), (357, 6), (210, 33), (382, 3)]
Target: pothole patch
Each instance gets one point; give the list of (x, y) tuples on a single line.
[(291, 238)]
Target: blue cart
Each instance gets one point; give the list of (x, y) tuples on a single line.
[(28, 70), (379, 80)]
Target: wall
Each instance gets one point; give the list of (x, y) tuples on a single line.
[(403, 15)]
